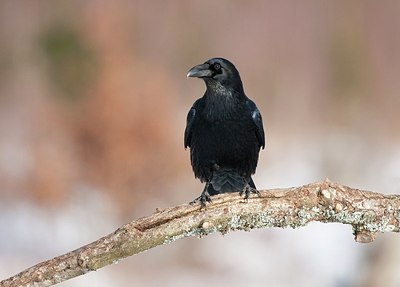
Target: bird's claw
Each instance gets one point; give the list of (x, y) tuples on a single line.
[(247, 190), (202, 199)]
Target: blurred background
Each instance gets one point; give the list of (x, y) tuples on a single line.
[(93, 103)]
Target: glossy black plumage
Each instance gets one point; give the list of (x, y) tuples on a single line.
[(224, 131)]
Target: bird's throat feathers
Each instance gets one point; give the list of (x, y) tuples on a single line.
[(221, 102)]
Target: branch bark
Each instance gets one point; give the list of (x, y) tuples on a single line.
[(367, 212)]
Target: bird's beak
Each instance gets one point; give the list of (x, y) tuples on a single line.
[(200, 71)]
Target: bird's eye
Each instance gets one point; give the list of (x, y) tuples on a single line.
[(217, 67)]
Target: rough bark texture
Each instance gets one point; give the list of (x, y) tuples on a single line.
[(366, 211)]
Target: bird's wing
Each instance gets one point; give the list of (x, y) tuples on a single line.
[(189, 123), (257, 119)]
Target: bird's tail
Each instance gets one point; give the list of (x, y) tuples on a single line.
[(228, 180)]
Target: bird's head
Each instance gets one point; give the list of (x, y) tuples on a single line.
[(217, 71)]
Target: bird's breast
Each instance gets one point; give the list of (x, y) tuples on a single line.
[(225, 137), (228, 140)]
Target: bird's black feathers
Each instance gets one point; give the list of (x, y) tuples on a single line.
[(224, 131), (189, 122), (256, 116)]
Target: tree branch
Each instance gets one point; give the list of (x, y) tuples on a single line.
[(366, 211)]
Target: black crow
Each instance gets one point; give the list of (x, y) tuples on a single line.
[(224, 131)]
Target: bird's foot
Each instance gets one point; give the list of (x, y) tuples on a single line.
[(247, 190), (203, 198)]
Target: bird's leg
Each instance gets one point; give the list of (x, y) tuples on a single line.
[(203, 198), (247, 190)]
